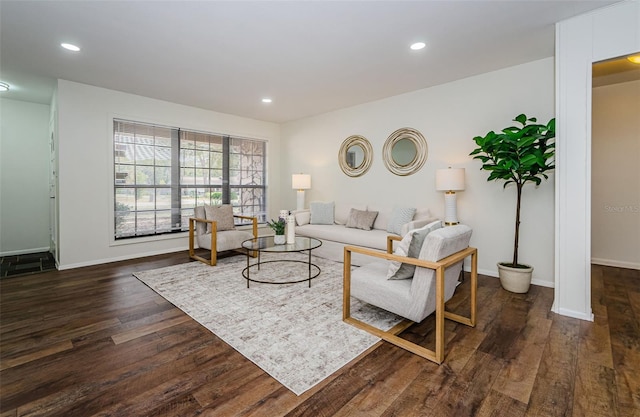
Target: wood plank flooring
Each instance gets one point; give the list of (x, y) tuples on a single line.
[(95, 341)]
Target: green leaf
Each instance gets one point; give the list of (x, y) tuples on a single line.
[(551, 126), (521, 118), (528, 159), (526, 141)]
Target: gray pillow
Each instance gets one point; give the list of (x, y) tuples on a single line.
[(359, 219), (410, 246), (321, 213), (399, 217), (302, 217), (222, 215)]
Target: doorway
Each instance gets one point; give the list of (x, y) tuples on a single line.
[(615, 163)]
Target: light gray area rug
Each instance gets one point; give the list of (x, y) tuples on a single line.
[(293, 332)]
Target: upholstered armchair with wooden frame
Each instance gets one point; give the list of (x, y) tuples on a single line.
[(432, 285), (208, 236)]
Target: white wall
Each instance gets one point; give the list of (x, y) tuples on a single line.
[(24, 177), (448, 116), (85, 158), (615, 175), (606, 33)]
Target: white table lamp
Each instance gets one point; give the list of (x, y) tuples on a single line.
[(300, 182), (450, 180)]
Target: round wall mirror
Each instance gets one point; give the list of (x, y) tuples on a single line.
[(355, 155), (405, 151)]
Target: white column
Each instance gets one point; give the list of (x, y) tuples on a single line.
[(605, 33)]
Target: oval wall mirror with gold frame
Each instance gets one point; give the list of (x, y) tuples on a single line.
[(405, 151), (355, 155)]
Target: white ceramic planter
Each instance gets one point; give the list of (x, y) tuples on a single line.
[(279, 239), (515, 280)]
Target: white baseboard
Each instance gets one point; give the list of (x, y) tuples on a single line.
[(542, 283), (24, 251), (574, 314), (488, 272), (120, 258), (614, 263)]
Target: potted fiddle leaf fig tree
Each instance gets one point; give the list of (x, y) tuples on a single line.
[(517, 155)]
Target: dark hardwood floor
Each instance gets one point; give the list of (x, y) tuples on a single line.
[(96, 341)]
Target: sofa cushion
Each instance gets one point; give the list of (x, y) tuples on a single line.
[(384, 214), (321, 213), (302, 217), (374, 238), (359, 219), (343, 211), (410, 246), (369, 284), (222, 215), (399, 217), (422, 213), (225, 240)]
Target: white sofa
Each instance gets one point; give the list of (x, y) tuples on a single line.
[(335, 236)]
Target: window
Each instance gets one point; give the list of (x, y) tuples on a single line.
[(162, 173)]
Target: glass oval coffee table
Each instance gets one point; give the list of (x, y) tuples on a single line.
[(266, 244)]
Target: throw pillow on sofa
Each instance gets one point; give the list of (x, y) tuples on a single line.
[(321, 213), (410, 246), (342, 211), (302, 217), (399, 217), (359, 219)]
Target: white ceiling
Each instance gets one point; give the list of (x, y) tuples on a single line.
[(310, 57)]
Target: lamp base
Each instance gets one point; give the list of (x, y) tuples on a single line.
[(300, 200), (450, 209)]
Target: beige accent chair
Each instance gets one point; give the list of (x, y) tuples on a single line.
[(433, 283), (216, 241)]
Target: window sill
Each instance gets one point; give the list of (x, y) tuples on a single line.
[(168, 236)]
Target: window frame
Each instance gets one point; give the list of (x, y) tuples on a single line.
[(179, 211)]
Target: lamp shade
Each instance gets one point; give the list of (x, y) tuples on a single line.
[(450, 179), (301, 181)]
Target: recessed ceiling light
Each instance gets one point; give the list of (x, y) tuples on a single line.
[(418, 45), (266, 100), (70, 47), (4, 87), (634, 58)]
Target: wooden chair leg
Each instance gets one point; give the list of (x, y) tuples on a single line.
[(192, 253), (191, 243), (390, 335), (439, 354), (192, 250), (214, 248), (471, 320)]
